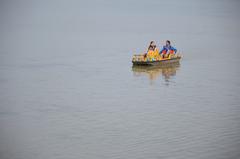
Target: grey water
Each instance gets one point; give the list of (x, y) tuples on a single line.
[(68, 89)]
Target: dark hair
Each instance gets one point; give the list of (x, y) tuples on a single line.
[(168, 42), (151, 42)]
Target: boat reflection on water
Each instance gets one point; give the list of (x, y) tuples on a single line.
[(154, 72)]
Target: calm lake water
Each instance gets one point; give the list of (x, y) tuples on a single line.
[(68, 89)]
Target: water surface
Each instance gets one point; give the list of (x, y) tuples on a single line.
[(68, 89)]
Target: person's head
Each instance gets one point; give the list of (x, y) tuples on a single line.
[(168, 43), (152, 43)]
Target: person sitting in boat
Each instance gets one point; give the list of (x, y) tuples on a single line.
[(167, 49), (151, 48)]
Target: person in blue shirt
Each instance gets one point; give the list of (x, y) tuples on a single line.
[(167, 49)]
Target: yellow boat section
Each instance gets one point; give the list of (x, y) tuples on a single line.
[(153, 56)]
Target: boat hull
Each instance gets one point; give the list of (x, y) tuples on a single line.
[(157, 63)]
